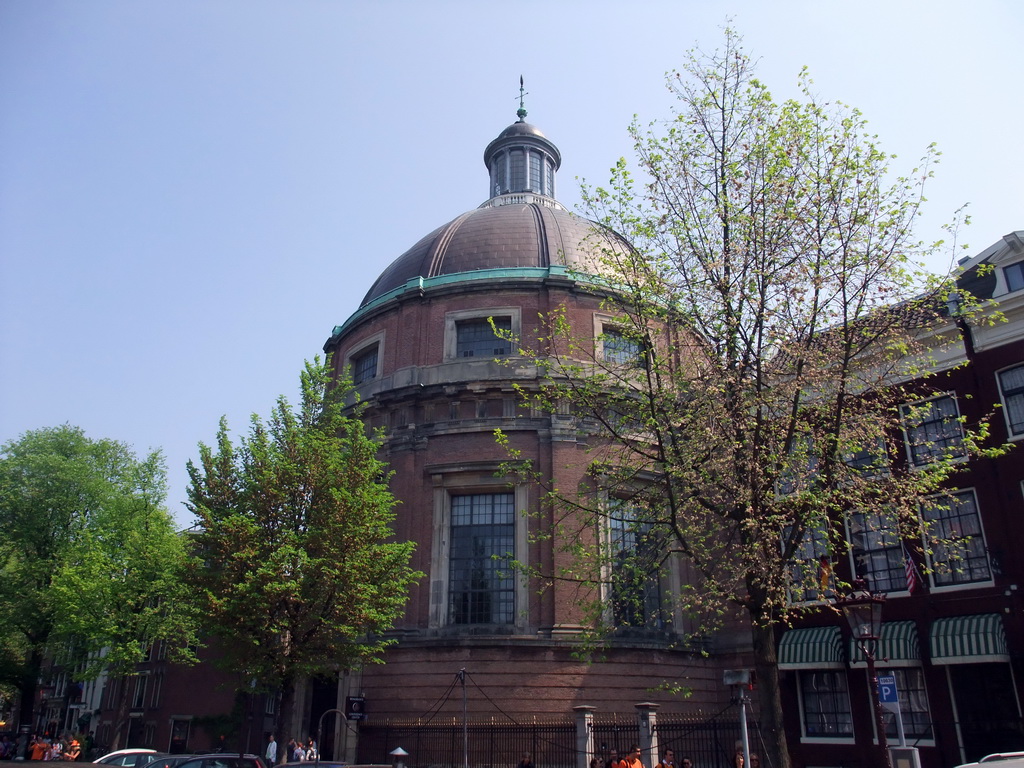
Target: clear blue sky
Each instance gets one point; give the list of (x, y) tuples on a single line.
[(194, 192)]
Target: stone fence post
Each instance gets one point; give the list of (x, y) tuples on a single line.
[(584, 735), (647, 720)]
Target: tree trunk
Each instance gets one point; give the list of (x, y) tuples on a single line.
[(121, 718), (29, 689), (285, 719), (769, 694)]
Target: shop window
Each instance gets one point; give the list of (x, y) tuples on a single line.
[(917, 722), (825, 704)]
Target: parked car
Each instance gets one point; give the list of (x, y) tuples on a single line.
[(130, 758), (223, 760), (168, 761), (998, 760), (314, 763)]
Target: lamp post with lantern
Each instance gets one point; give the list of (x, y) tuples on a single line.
[(863, 611)]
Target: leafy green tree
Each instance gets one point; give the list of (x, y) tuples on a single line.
[(742, 398), (88, 557), (295, 563)]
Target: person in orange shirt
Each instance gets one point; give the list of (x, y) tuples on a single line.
[(632, 760), (38, 748), (73, 751)]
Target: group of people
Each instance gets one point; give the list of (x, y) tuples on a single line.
[(632, 760), (668, 760), (43, 748), (298, 751)]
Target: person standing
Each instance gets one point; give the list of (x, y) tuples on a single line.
[(632, 760), (271, 753), (668, 760)]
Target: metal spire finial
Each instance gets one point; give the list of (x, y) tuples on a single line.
[(521, 111)]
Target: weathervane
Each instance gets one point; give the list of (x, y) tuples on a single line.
[(521, 111)]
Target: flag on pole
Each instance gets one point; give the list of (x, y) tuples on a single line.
[(914, 580), (825, 575)]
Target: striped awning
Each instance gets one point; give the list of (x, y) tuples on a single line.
[(897, 647), (811, 648), (968, 639)]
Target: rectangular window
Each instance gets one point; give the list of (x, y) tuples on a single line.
[(364, 365), (536, 164), (636, 586), (477, 338), (498, 181), (810, 570), (877, 552), (933, 430), (139, 699), (1014, 276), (1011, 384), (956, 540), (800, 469), (825, 704), (869, 460), (618, 348), (158, 684), (917, 723), (481, 581), (518, 163)]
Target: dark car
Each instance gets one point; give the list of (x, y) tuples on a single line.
[(168, 761), (222, 760)]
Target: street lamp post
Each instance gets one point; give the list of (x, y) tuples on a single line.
[(863, 611)]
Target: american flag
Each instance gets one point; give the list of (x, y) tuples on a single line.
[(914, 581)]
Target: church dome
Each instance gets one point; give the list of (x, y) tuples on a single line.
[(520, 226)]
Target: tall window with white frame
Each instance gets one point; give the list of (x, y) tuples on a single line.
[(635, 567), (478, 338), (810, 569), (481, 583), (1011, 385), (877, 551), (956, 540), (933, 430)]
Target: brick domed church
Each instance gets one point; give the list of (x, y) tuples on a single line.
[(424, 355)]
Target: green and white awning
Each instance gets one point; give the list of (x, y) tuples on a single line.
[(968, 639), (811, 648), (897, 647)]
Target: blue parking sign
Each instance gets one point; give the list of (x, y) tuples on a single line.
[(887, 693)]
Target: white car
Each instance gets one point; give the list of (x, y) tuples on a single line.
[(998, 760), (129, 758)]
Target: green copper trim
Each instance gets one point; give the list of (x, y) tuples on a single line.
[(423, 284)]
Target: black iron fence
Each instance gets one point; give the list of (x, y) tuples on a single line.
[(710, 742), (490, 744)]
